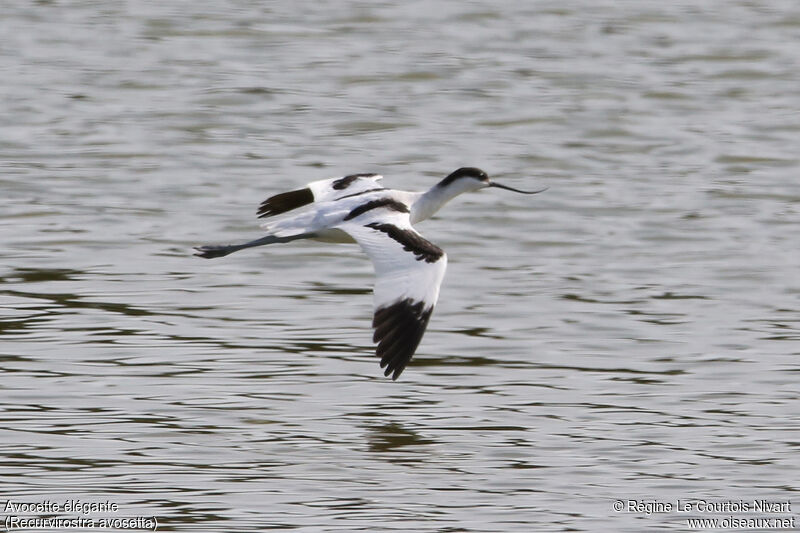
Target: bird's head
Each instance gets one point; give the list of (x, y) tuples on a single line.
[(472, 179)]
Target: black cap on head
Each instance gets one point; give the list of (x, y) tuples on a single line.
[(465, 172)]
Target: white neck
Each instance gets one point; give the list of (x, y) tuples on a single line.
[(428, 203)]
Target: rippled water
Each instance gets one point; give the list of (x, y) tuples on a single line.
[(632, 333)]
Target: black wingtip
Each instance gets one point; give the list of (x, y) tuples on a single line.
[(399, 328), (284, 202)]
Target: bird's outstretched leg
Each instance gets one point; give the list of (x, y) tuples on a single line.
[(212, 251)]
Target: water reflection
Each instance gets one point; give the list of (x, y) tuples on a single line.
[(394, 436)]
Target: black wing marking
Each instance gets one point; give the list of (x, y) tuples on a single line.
[(423, 249), (374, 204), (398, 331), (285, 201), (343, 183)]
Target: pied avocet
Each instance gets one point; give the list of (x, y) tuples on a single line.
[(408, 268)]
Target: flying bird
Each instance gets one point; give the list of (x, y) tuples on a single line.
[(408, 268)]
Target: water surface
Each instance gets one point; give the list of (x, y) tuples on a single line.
[(632, 333)]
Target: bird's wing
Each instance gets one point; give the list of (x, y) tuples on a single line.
[(409, 270), (319, 191)]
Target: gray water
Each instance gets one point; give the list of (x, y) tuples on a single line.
[(630, 334)]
